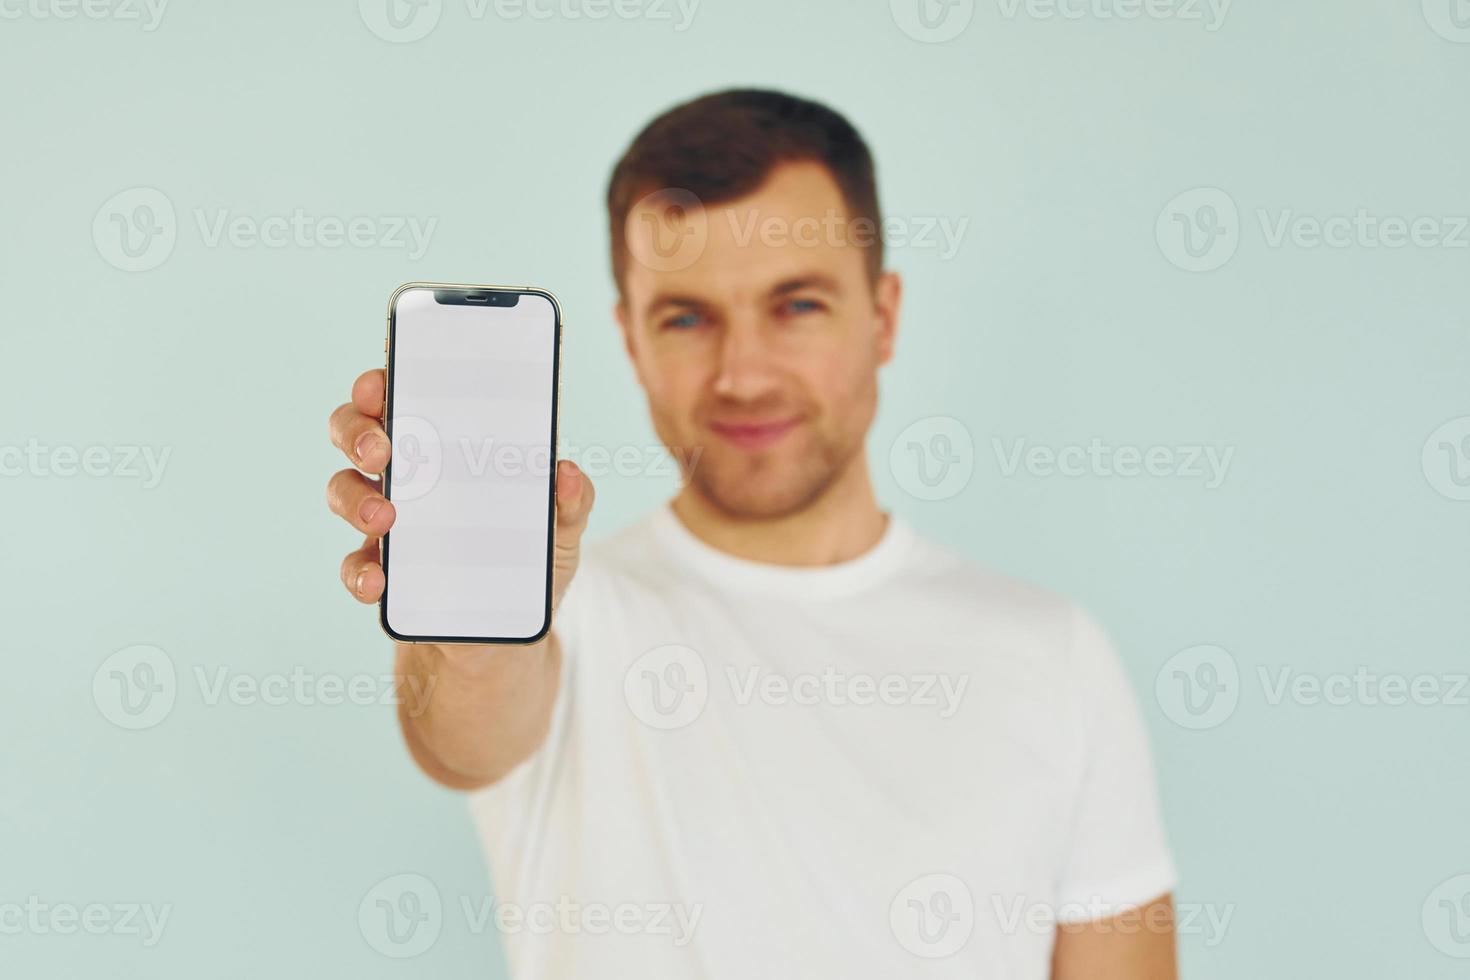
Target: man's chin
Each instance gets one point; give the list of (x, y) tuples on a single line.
[(758, 494)]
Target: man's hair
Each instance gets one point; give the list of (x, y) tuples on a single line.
[(723, 146)]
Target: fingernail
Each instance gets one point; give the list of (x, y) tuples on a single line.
[(357, 589), (368, 508), (365, 443)]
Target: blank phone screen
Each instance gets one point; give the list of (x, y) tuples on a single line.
[(471, 415)]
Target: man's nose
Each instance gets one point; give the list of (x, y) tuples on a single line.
[(746, 368)]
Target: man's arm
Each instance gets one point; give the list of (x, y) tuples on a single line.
[(1134, 945), (470, 714)]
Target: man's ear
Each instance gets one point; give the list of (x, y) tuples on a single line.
[(620, 313), (887, 296)]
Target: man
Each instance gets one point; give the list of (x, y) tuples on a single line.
[(774, 733)]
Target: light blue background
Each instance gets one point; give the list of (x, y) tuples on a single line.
[(1061, 318)]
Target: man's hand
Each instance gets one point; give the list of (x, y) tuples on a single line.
[(478, 711)]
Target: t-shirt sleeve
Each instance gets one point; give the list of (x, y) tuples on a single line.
[(1118, 855)]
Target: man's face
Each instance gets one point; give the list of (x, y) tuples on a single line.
[(757, 334)]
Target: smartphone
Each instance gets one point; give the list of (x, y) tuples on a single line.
[(473, 385)]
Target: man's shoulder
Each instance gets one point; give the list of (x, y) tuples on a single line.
[(938, 567)]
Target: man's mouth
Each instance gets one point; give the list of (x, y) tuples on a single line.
[(752, 436)]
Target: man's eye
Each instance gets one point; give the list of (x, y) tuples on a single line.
[(684, 321), (797, 307)]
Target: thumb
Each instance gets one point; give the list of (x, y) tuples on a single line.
[(574, 498)]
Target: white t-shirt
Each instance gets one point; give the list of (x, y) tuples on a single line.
[(903, 765)]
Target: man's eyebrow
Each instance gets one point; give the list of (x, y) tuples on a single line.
[(816, 281), (662, 300)]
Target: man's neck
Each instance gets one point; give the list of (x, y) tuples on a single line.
[(840, 525)]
